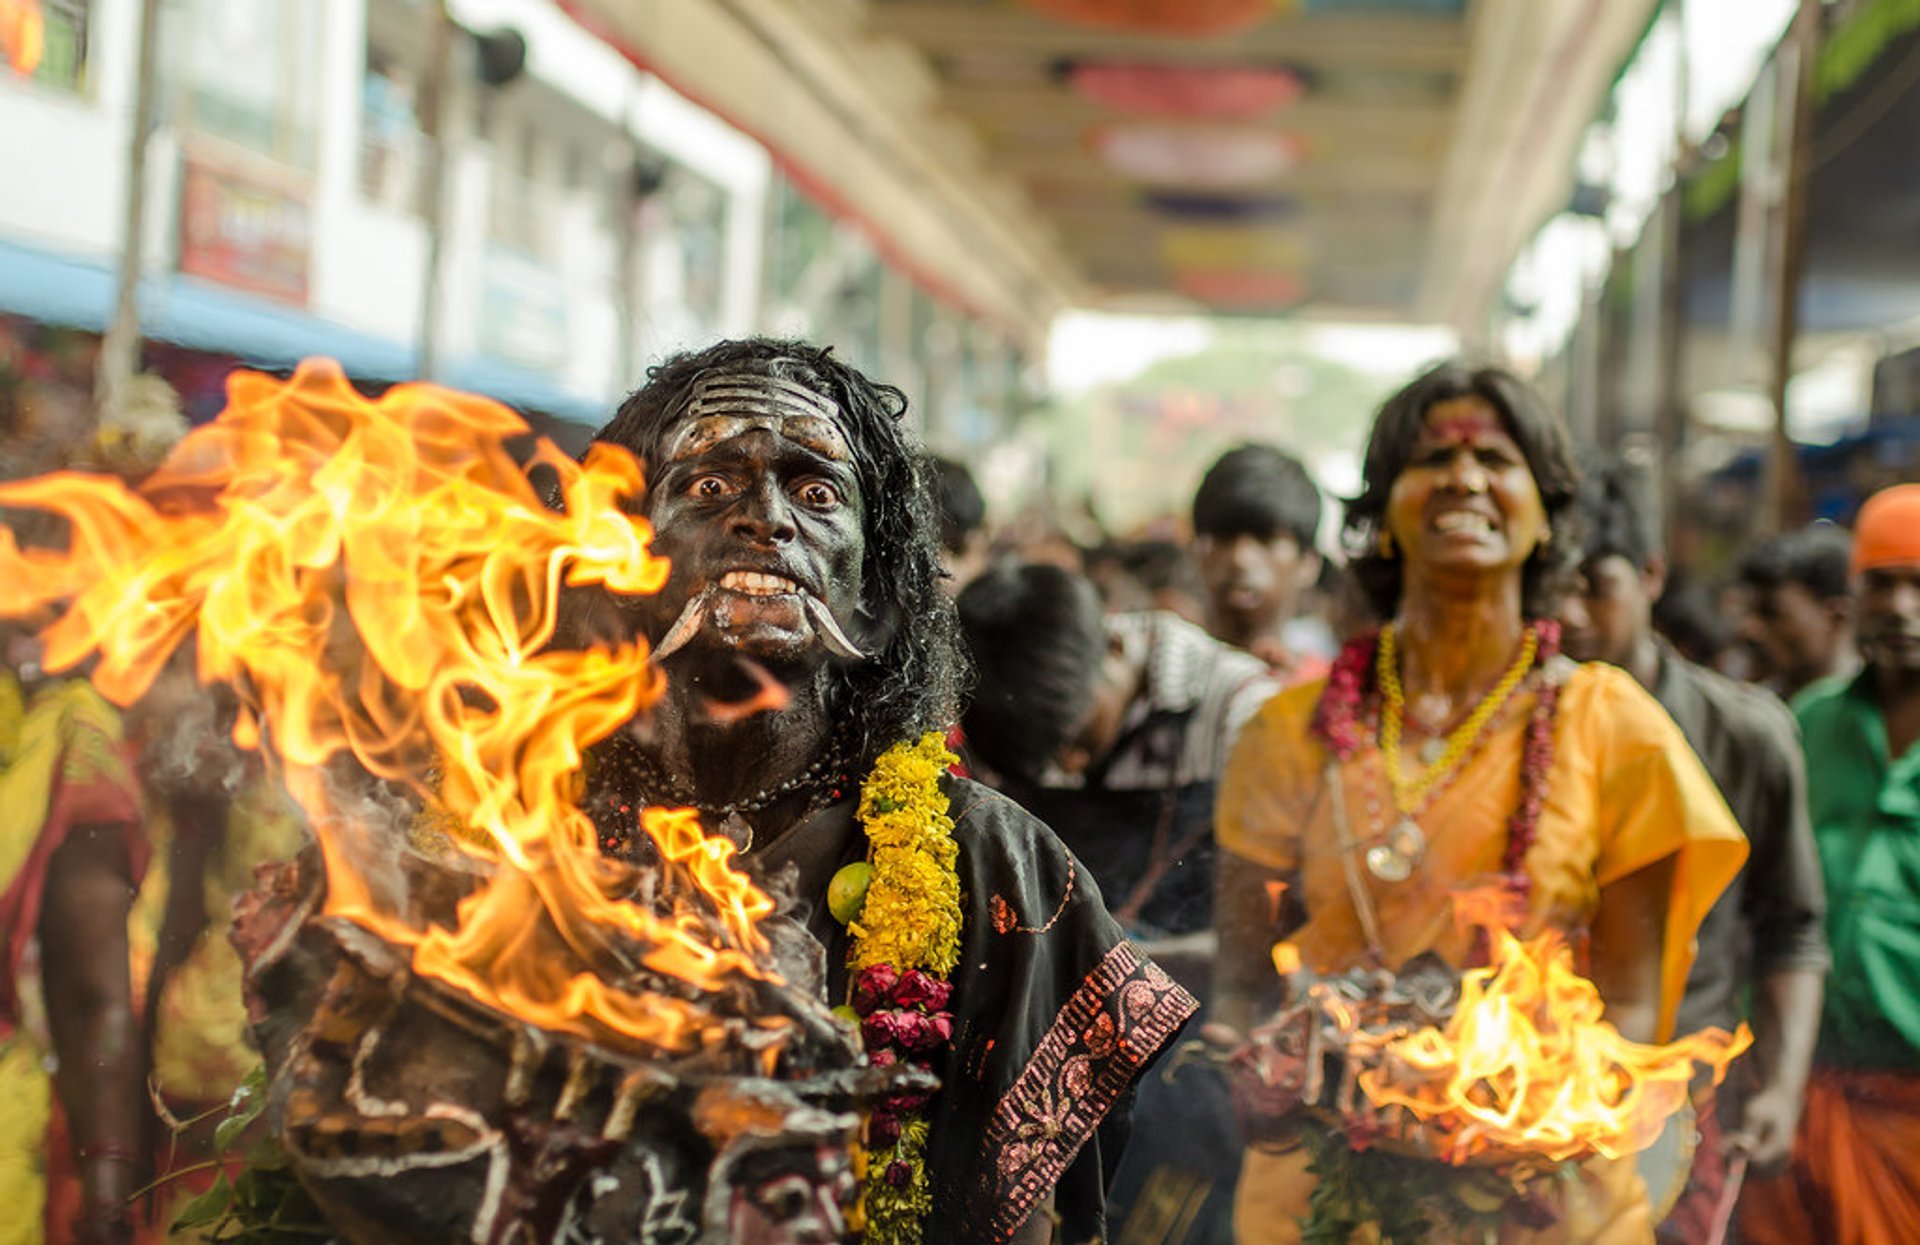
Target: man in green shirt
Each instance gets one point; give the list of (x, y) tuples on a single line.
[(1855, 1177)]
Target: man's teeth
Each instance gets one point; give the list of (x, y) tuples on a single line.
[(756, 584), (1462, 521)]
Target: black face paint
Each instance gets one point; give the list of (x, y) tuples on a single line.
[(757, 506)]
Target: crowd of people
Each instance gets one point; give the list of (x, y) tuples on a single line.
[(1152, 761), (1504, 679)]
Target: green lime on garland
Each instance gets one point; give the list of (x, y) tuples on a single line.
[(847, 893)]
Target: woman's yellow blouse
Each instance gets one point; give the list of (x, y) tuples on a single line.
[(1624, 792)]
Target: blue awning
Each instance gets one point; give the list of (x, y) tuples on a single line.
[(78, 293)]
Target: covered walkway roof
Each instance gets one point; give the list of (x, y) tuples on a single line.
[(1380, 159)]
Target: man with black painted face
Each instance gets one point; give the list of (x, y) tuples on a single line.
[(804, 638)]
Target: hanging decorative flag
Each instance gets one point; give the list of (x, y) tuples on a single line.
[(1238, 290), (1207, 157), (1221, 208), (23, 35), (1191, 18), (1202, 248), (1439, 8), (1193, 92)]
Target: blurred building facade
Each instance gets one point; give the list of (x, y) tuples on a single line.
[(1732, 291), (592, 218)]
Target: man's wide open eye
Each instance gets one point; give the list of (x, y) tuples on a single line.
[(710, 488), (819, 495)]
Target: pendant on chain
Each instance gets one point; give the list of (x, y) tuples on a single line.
[(1432, 750), (738, 830), (1398, 852)]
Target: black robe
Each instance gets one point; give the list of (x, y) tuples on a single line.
[(1056, 1017)]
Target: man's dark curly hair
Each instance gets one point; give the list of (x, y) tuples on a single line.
[(913, 684), (1617, 510), (1533, 425)]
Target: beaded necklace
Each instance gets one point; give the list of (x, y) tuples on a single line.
[(1408, 793), (1340, 722)]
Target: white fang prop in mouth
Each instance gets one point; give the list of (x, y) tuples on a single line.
[(829, 628), (691, 617), (755, 583)]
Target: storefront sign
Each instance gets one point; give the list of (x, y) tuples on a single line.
[(522, 312), (244, 233)]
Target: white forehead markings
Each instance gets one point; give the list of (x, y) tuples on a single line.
[(727, 405)]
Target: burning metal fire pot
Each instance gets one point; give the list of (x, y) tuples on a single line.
[(414, 1112)]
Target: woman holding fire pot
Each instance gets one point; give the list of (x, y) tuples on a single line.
[(1455, 748)]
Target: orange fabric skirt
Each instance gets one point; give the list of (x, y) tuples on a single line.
[(1855, 1174)]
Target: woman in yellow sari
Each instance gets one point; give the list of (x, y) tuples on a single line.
[(117, 971), (1453, 749), (72, 850)]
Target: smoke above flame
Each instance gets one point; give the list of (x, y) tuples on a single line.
[(381, 579)]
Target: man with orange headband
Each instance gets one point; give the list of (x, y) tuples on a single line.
[(1855, 1176)]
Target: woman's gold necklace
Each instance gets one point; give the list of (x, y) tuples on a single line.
[(1394, 857)]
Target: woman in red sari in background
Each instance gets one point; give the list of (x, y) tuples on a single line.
[(1455, 749)]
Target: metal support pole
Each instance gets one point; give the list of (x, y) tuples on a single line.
[(433, 129), (1669, 396), (1783, 496), (1669, 386), (120, 350)]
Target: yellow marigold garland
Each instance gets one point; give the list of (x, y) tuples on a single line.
[(906, 940)]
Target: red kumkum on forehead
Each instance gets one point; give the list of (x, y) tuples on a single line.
[(1467, 422)]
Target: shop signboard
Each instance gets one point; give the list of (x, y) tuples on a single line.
[(244, 232), (522, 311)]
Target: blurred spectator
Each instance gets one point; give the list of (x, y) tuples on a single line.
[(1256, 516), (73, 849), (1168, 577), (1763, 937), (1688, 617), (1107, 569), (1114, 730), (1855, 1175), (1799, 625), (118, 987), (964, 548)]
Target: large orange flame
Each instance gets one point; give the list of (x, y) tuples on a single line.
[(382, 578), (1528, 1064)]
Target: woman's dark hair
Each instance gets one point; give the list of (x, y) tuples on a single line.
[(1533, 425), (913, 684), (1037, 638), (1259, 491)]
